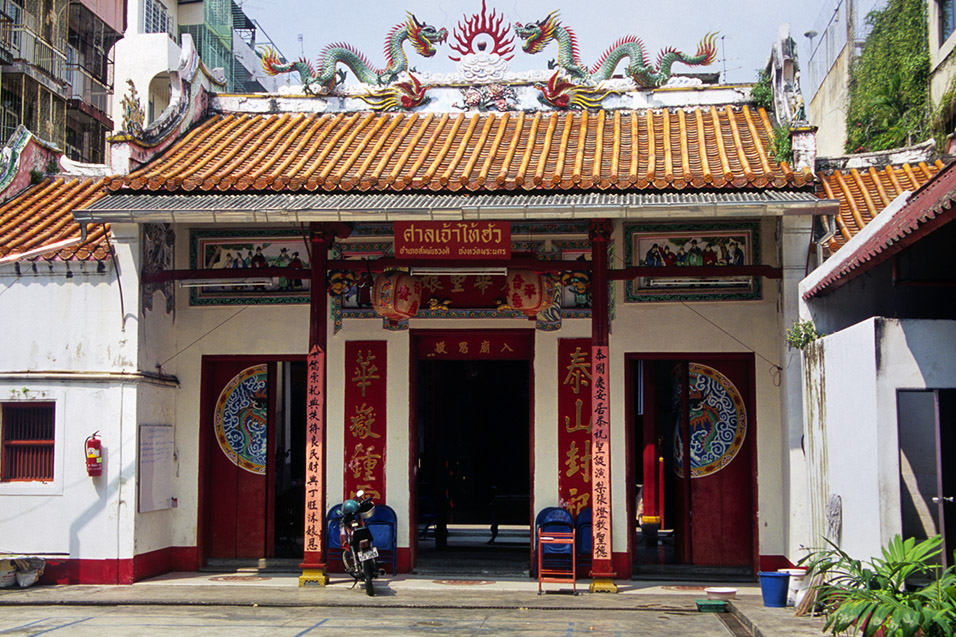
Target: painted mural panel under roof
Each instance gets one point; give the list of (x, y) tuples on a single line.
[(702, 148)]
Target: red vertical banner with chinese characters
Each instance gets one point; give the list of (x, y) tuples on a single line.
[(365, 418), (574, 423), (600, 454), (314, 469)]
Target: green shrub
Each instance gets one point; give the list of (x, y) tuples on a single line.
[(762, 94), (801, 334), (889, 104), (781, 146), (887, 596)]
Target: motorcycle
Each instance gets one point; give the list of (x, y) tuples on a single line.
[(359, 555)]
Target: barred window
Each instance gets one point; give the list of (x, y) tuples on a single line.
[(156, 18), (947, 19), (27, 441)]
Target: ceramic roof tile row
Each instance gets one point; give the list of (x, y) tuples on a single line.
[(43, 216), (702, 148), (928, 209), (863, 194)]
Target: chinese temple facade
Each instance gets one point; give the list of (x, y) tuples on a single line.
[(470, 299)]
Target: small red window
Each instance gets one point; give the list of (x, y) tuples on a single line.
[(27, 432)]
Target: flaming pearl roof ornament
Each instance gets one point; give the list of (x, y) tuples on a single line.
[(484, 44)]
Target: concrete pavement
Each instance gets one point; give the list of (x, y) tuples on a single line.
[(253, 589)]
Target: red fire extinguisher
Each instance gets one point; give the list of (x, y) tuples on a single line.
[(94, 456)]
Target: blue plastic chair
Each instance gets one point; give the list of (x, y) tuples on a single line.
[(585, 550), (333, 535), (552, 519), (384, 527)]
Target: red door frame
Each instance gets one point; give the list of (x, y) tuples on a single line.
[(206, 402), (630, 444), (413, 432)]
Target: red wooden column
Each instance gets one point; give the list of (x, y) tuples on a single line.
[(313, 563), (602, 569)]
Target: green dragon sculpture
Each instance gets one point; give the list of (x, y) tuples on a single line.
[(537, 35), (424, 37)]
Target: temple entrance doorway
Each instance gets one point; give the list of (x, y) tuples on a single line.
[(694, 411), (252, 461), (473, 467)]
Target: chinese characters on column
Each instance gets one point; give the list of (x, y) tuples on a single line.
[(315, 424), (601, 454), (574, 424), (365, 422)]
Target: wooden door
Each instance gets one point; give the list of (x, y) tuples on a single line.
[(721, 424), (237, 500)]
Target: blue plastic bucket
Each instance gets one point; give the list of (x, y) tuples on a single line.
[(774, 587)]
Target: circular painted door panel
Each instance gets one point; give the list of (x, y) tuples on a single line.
[(718, 422), (240, 419)]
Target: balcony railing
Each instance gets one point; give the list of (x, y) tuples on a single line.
[(30, 47), (87, 88)]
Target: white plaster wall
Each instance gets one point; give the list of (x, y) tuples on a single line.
[(864, 367), (76, 516), (47, 324), (140, 57), (156, 405), (61, 338), (796, 234), (827, 109), (191, 13), (853, 435)]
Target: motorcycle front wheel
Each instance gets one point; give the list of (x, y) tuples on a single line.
[(369, 567)]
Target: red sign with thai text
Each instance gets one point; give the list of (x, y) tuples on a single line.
[(574, 423), (601, 453), (365, 418), (452, 240)]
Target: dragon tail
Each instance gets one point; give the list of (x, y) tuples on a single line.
[(272, 64), (706, 50)]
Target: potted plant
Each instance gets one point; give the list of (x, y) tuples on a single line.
[(904, 593)]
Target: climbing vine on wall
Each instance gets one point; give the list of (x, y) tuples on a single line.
[(889, 83)]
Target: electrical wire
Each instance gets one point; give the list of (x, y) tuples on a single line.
[(226, 320), (775, 369)]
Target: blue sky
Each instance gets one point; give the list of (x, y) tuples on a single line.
[(747, 28)]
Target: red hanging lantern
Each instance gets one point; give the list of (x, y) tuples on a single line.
[(396, 295), (526, 291)]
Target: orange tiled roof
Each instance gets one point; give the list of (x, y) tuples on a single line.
[(864, 194), (723, 147), (43, 216)]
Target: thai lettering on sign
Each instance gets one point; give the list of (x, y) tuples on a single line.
[(453, 239)]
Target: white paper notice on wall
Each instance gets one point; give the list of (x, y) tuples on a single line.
[(155, 467)]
